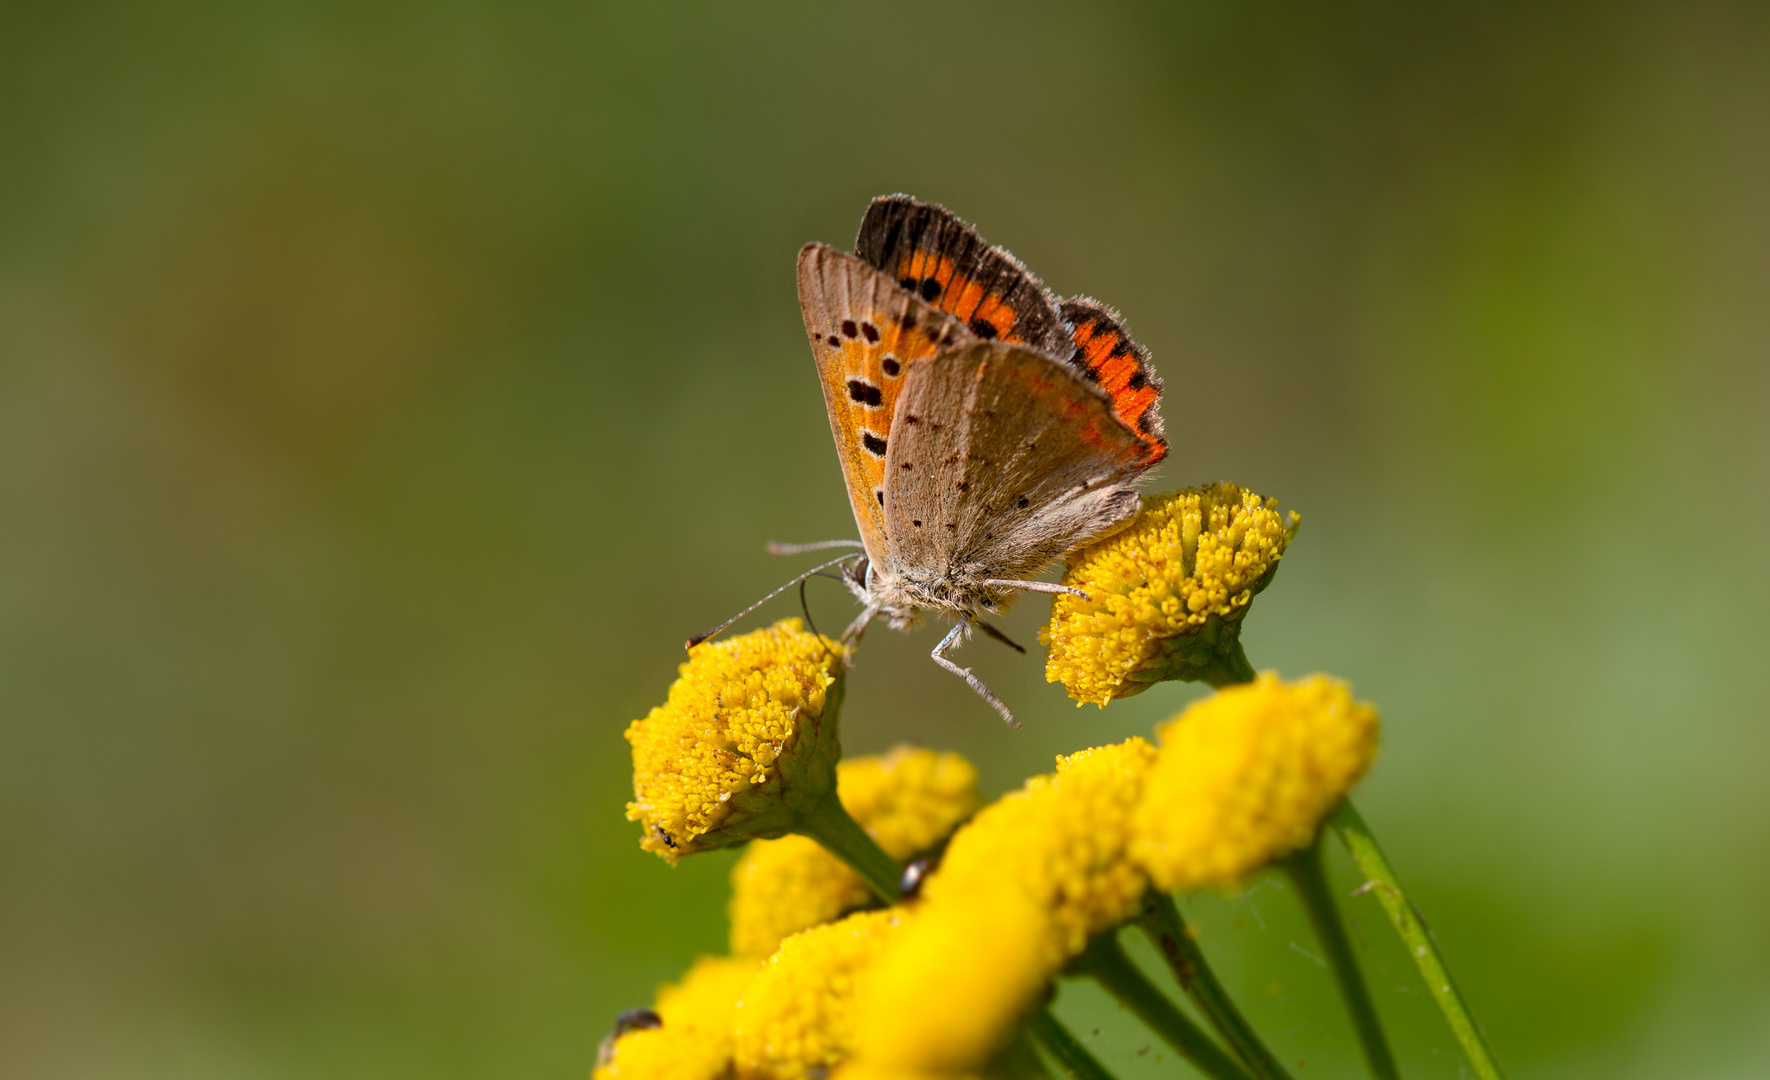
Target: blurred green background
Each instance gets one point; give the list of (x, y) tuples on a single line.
[(387, 389)]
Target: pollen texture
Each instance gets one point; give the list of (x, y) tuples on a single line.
[(740, 725), (796, 1020), (1167, 595)]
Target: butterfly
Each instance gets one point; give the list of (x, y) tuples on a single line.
[(985, 428)]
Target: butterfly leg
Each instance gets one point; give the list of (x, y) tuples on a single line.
[(1001, 637), (953, 637), (851, 636), (1033, 586)]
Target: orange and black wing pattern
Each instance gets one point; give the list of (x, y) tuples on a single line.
[(929, 252), (865, 333), (1106, 355)]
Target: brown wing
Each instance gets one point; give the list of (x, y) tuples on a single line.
[(929, 251), (1105, 353), (865, 335), (1003, 460)]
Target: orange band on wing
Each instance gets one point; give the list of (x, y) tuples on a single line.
[(936, 280), (1121, 368)]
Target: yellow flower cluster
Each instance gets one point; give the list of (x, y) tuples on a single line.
[(744, 743), (1061, 841), (1167, 595), (796, 1020), (936, 989), (1018, 893), (1246, 775), (694, 1042), (908, 800)]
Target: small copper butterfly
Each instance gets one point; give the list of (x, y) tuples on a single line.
[(985, 428)]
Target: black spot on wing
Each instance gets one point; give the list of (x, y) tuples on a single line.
[(849, 329), (865, 393), (890, 366), (874, 444), (868, 331), (983, 328)]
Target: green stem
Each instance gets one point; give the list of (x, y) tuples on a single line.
[(1307, 875), (1232, 668), (1380, 877), (842, 836), (1065, 1049), (1167, 928), (1105, 961)]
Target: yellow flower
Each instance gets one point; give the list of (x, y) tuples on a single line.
[(1018, 893), (694, 1040), (1166, 596), (1062, 841), (796, 1020), (950, 992), (1246, 775), (908, 800), (745, 745), (868, 1070)]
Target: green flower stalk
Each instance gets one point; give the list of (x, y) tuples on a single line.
[(745, 748), (1244, 779), (909, 800), (1167, 596)]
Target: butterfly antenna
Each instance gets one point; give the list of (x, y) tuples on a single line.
[(777, 548), (806, 608), (953, 637), (705, 634)]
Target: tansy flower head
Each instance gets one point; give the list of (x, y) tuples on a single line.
[(693, 1040), (952, 989), (796, 1020), (1018, 892), (1246, 775), (744, 746), (1062, 841), (1166, 596), (908, 800)]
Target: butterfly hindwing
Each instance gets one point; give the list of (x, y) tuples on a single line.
[(1106, 354), (927, 250), (866, 333), (1004, 459)]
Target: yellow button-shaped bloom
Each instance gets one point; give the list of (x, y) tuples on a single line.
[(1167, 595), (694, 1040), (1062, 840), (908, 800), (796, 1020), (950, 992), (1245, 777), (1018, 893), (745, 744)]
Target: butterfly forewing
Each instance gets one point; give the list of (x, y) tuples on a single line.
[(866, 333), (1003, 460), (927, 250)]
